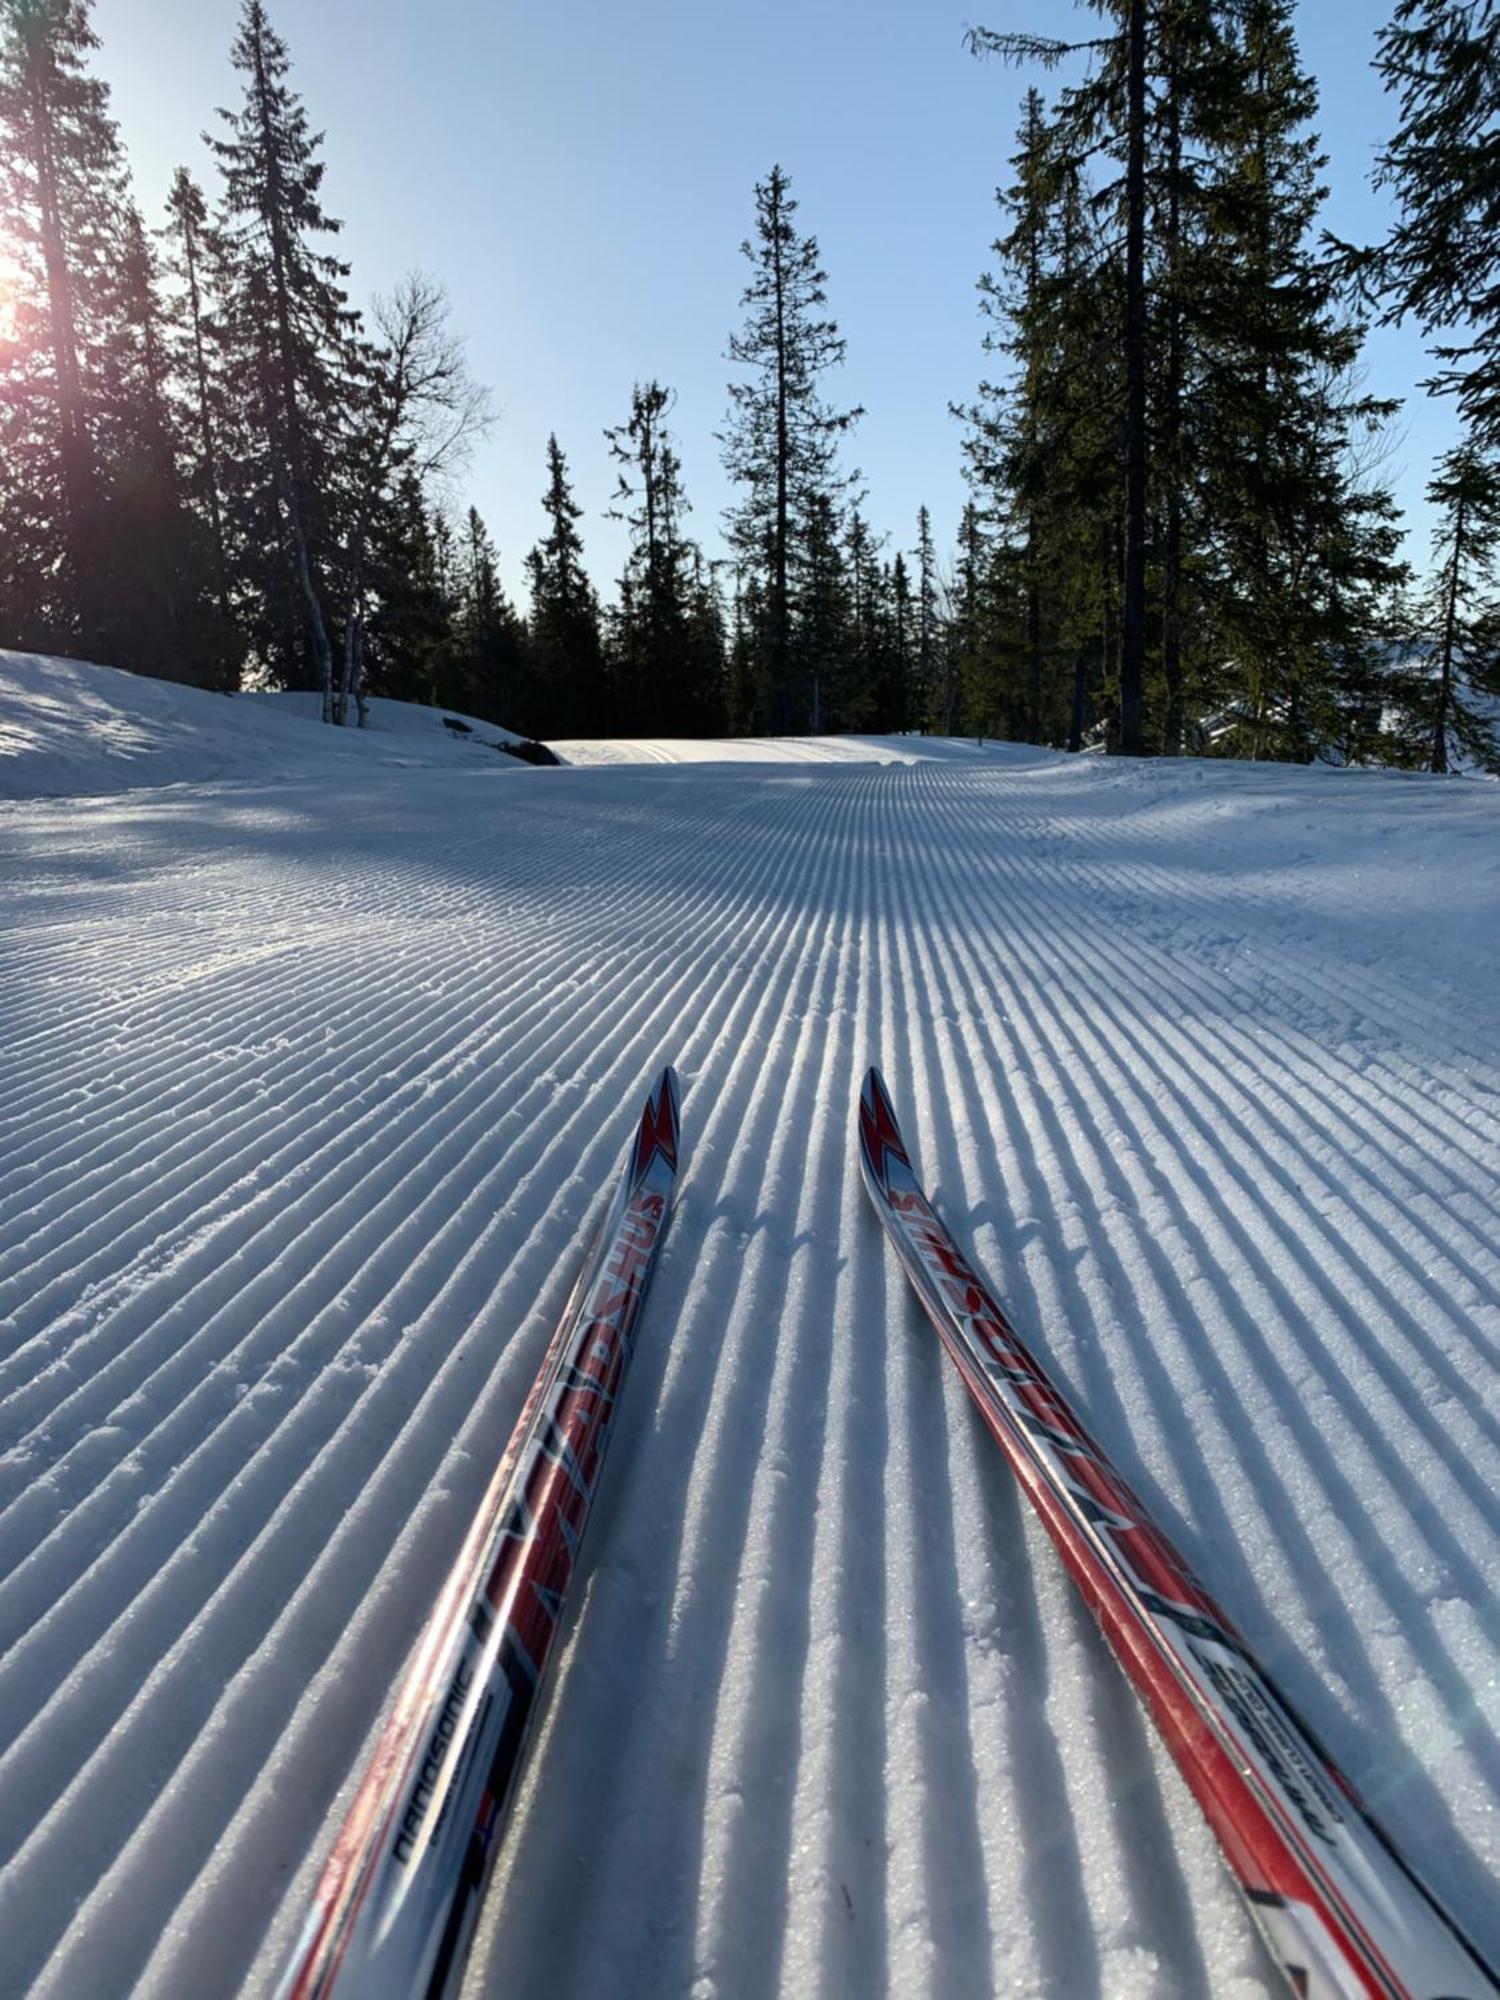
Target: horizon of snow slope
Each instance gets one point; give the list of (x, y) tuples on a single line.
[(307, 1093)]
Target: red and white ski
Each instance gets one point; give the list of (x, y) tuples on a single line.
[(395, 1909), (1342, 1912)]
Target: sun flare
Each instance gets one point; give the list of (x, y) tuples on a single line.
[(10, 298)]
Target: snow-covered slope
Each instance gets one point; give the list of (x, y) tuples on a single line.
[(305, 1094), (70, 728)]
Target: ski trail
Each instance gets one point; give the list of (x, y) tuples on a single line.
[(305, 1099)]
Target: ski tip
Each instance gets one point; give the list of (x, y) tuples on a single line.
[(658, 1129), (879, 1135)]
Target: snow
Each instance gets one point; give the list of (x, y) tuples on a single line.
[(68, 728), (312, 1073)]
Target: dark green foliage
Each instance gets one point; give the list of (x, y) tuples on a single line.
[(1440, 265), (289, 361), (781, 446), (566, 650), (492, 675), (667, 664), (1304, 548), (1447, 691), (99, 555), (927, 637), (1178, 464), (407, 645)]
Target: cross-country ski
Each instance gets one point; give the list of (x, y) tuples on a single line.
[(396, 1907), (1345, 1916)]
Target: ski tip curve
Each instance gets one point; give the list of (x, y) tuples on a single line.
[(659, 1128), (880, 1138)]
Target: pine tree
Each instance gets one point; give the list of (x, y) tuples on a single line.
[(288, 341), (781, 443), (566, 646)]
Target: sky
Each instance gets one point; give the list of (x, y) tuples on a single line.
[(580, 179)]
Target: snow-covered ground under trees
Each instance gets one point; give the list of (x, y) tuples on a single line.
[(312, 1064)]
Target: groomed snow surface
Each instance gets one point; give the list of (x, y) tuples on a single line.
[(310, 1077)]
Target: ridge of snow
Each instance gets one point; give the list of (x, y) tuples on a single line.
[(69, 728)]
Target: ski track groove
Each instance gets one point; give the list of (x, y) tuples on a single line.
[(373, 1225), (291, 1190)]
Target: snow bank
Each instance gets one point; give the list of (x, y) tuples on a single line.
[(68, 728)]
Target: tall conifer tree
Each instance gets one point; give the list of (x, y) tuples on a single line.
[(1449, 688), (190, 264), (566, 647), (288, 336), (663, 681), (63, 204), (1440, 264), (782, 439)]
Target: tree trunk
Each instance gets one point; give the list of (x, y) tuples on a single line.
[(294, 468), (79, 485), (780, 608), (1133, 618), (1171, 580), (1443, 709), (205, 422)]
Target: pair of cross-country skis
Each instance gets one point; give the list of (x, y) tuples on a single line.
[(1343, 1913)]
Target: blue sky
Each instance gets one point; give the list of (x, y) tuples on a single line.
[(580, 178)]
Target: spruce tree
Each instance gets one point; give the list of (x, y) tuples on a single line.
[(1251, 586), (824, 621), (927, 651), (1448, 691), (407, 616), (288, 345), (663, 681), (895, 675), (1109, 113), (566, 647), (63, 203), (781, 445), (860, 692), (1305, 551), (491, 651), (158, 558), (190, 265), (1440, 263)]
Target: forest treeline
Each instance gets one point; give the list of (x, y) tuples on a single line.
[(1179, 536)]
